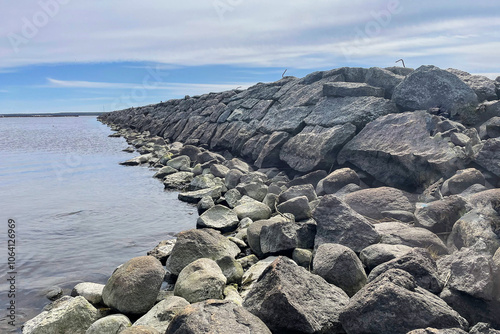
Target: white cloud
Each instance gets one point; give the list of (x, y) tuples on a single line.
[(172, 87), (280, 33)]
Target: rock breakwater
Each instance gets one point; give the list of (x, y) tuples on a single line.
[(349, 201)]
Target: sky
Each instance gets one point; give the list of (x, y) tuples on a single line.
[(81, 56)]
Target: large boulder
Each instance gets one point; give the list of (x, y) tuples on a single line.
[(359, 111), (253, 273), (488, 156), (404, 150), (462, 180), (338, 223), (440, 216), (483, 87), (252, 209), (298, 206), (213, 316), (160, 316), (72, 316), (316, 147), (200, 280), (195, 244), (179, 180), (419, 263), (396, 233), (289, 299), (337, 180), (110, 324), (219, 218), (480, 224), (339, 266), (344, 89), (394, 303), (471, 271), (431, 87), (196, 195), (372, 202), (377, 254), (134, 286)]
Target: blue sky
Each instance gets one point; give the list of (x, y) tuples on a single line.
[(76, 55)]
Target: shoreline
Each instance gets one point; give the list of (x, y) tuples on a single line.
[(344, 238)]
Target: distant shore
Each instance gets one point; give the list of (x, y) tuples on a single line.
[(66, 114)]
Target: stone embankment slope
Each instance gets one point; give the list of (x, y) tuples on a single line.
[(349, 201)]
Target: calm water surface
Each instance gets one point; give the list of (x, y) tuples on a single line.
[(78, 213)]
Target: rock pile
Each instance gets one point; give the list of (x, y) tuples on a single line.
[(349, 201)]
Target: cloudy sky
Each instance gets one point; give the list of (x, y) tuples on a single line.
[(77, 55)]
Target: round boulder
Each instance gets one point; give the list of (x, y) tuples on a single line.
[(201, 280), (134, 286)]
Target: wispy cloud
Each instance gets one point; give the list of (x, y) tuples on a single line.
[(173, 87)]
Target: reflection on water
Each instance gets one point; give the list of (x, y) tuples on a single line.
[(79, 214)]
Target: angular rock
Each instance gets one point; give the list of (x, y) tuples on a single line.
[(359, 111), (394, 303), (375, 255), (471, 272), (180, 163), (194, 244), (438, 331), (483, 87), (339, 266), (219, 170), (206, 203), (397, 150), (316, 147), (231, 269), (253, 273), (213, 316), (277, 237), (338, 223), (200, 280), (373, 201), (311, 178), (480, 224), (133, 287), (462, 180), (191, 151), (92, 292), (400, 215), (269, 156), (255, 190), (232, 197), (110, 324), (73, 316), (289, 299), (417, 262), (395, 233), (297, 191), (219, 218), (137, 160), (298, 206), (384, 78), (344, 89), (164, 171), (488, 156), (483, 328), (163, 250), (178, 180), (440, 216), (336, 180), (288, 119), (197, 195), (430, 87)]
